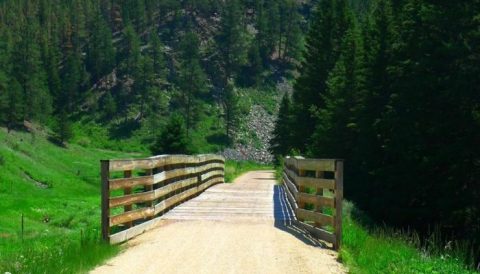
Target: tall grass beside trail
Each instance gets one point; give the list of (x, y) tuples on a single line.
[(57, 191), (385, 250), (233, 169), (55, 254)]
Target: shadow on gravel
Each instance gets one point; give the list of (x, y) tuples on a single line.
[(283, 214)]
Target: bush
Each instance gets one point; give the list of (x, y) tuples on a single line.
[(2, 160), (173, 138)]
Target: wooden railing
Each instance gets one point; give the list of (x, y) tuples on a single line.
[(136, 192), (314, 188)]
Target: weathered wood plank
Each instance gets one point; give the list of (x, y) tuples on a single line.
[(317, 217), (210, 174), (151, 195), (131, 199), (338, 203), (127, 234), (316, 164), (132, 215), (130, 182), (318, 201), (317, 232), (127, 191), (290, 198), (184, 195), (309, 181), (160, 177), (293, 189), (162, 160), (105, 192)]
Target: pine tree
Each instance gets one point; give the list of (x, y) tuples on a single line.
[(192, 81), (231, 109), (378, 35), (63, 130), (29, 72), (157, 53), (331, 21), (173, 139), (262, 39), (72, 81), (289, 47), (109, 106), (281, 142), (252, 72), (231, 38), (13, 108), (100, 52), (131, 53)]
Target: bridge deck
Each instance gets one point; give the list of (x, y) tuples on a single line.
[(242, 227), (254, 197)]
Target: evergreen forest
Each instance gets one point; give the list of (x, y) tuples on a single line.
[(390, 86)]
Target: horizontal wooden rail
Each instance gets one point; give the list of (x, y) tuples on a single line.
[(314, 188), (132, 204)]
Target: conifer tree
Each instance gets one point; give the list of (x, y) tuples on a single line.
[(331, 21), (29, 72), (157, 53), (173, 139), (281, 142), (192, 80), (231, 109), (231, 38), (100, 52)]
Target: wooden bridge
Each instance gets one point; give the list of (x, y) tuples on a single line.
[(180, 197)]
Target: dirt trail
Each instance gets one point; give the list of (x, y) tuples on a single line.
[(231, 228)]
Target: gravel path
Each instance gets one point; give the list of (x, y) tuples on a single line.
[(231, 228)]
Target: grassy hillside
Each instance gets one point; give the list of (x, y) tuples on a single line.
[(57, 192)]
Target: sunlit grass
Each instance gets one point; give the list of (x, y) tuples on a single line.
[(384, 250), (57, 190)]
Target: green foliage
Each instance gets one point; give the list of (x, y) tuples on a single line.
[(393, 93), (323, 43), (109, 106), (232, 110), (231, 38), (191, 80), (173, 139), (63, 130), (281, 142), (73, 194), (383, 250), (100, 53)]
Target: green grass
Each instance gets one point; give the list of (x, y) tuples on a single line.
[(233, 169), (57, 191), (383, 250)]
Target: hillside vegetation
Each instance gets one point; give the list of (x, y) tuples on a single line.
[(391, 86), (123, 69), (395, 92), (56, 192)]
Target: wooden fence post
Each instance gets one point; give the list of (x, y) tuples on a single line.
[(338, 202), (105, 174), (127, 191)]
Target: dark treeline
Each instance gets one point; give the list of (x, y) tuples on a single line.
[(139, 60), (395, 92)]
